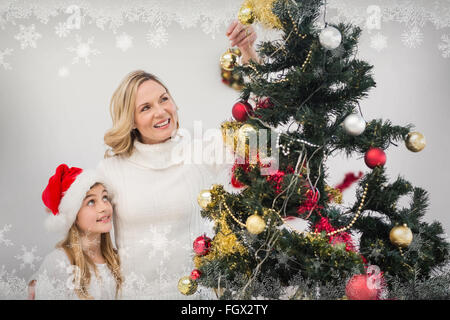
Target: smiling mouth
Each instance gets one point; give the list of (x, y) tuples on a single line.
[(104, 219), (162, 124)]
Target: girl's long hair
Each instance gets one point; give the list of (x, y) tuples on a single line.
[(80, 259)]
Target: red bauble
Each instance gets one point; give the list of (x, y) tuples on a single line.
[(264, 103), (195, 274), (241, 110), (202, 245), (235, 182), (357, 288), (375, 157)]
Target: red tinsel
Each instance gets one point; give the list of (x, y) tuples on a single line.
[(348, 180), (310, 203), (277, 178), (342, 237)]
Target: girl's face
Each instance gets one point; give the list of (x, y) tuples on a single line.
[(95, 214), (155, 114)]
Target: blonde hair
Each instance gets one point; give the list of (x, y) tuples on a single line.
[(80, 259), (121, 136)]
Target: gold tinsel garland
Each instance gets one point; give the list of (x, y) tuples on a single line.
[(262, 9), (234, 138), (224, 243), (336, 194)]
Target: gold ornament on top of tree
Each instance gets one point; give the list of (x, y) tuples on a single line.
[(262, 11), (245, 14), (255, 224), (401, 236), (415, 141)]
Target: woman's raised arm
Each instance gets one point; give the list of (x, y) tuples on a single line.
[(243, 37)]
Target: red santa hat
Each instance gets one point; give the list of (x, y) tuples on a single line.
[(64, 195)]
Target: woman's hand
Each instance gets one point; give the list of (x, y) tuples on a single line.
[(243, 37)]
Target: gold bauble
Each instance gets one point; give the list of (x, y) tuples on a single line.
[(415, 141), (204, 198), (237, 86), (245, 14), (255, 224), (226, 74), (187, 286), (236, 76), (236, 51), (230, 130), (228, 60), (401, 236), (247, 132)]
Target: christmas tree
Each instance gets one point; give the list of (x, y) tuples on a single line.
[(312, 81)]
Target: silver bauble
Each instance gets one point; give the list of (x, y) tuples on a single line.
[(354, 124), (330, 38)]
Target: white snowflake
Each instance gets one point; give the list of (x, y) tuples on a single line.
[(378, 42), (63, 72), (124, 41), (83, 50), (157, 37), (11, 286), (135, 286), (158, 240), (445, 45), (3, 240), (3, 53), (28, 257), (412, 38), (27, 36), (62, 30)]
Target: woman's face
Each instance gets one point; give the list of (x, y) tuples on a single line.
[(95, 214), (155, 115)]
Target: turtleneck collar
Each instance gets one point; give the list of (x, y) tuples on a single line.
[(159, 155)]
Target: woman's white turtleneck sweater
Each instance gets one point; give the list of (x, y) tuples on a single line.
[(156, 214)]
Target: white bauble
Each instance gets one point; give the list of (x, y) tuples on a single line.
[(354, 125), (330, 38)]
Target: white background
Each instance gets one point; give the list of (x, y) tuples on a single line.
[(46, 120)]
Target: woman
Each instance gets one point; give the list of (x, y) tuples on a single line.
[(156, 213)]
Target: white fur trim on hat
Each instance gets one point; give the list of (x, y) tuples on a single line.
[(71, 202)]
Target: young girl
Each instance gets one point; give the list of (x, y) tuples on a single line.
[(84, 265)]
